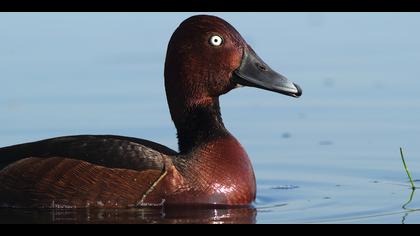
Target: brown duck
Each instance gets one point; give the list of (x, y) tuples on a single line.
[(206, 58)]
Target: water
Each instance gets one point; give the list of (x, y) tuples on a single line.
[(331, 156)]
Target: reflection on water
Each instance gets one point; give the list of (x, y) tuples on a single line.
[(407, 209), (184, 215), (413, 190)]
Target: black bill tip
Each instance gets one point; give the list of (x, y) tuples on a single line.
[(299, 91)]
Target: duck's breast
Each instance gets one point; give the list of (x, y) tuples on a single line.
[(219, 172)]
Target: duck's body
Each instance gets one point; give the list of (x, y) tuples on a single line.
[(112, 171), (211, 166)]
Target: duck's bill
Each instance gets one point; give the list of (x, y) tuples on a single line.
[(255, 73)]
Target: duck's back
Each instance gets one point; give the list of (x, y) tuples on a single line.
[(105, 150)]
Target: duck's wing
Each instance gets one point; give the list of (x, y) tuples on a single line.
[(103, 150), (57, 182)]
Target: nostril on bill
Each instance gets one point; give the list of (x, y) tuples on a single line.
[(261, 67)]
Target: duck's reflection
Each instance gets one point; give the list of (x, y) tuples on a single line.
[(173, 215)]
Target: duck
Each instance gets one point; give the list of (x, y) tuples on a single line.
[(206, 57)]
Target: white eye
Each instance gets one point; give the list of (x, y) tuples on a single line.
[(216, 40)]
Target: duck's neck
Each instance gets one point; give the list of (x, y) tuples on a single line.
[(199, 124)]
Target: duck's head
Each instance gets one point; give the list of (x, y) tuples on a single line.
[(207, 57)]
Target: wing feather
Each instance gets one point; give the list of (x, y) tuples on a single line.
[(68, 183)]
